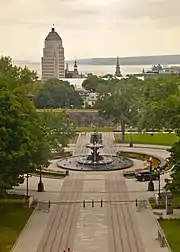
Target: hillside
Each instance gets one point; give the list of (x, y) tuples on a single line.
[(141, 60)]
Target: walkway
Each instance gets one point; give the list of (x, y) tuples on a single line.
[(116, 226)]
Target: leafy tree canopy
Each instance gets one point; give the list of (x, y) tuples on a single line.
[(120, 102), (27, 138), (174, 184), (19, 139), (160, 103), (14, 76), (57, 128), (57, 94), (92, 82)]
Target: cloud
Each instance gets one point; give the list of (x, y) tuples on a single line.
[(65, 13), (159, 12), (90, 27), (90, 12)]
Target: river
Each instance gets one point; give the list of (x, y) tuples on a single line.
[(95, 69)]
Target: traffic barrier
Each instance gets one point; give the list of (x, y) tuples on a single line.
[(92, 203), (136, 202), (84, 203)]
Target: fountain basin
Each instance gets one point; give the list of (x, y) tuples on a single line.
[(84, 161), (113, 163)]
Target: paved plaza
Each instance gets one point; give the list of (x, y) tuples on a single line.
[(107, 221)]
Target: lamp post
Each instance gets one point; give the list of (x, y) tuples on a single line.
[(27, 186), (130, 139), (40, 184), (150, 184), (159, 182)]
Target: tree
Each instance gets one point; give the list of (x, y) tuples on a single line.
[(121, 104), (58, 129), (14, 76), (57, 94), (174, 184), (160, 102), (20, 138), (92, 82)]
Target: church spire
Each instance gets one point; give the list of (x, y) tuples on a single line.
[(118, 71), (75, 67)]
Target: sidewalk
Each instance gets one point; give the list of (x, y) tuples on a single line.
[(145, 146), (92, 228), (146, 221), (32, 233)]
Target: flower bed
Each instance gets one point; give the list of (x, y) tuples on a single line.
[(144, 157), (51, 174), (154, 204), (141, 156)]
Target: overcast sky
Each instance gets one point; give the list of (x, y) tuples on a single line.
[(90, 28)]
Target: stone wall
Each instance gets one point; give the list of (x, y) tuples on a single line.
[(89, 119)]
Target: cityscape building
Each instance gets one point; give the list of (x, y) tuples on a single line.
[(53, 60), (73, 74)]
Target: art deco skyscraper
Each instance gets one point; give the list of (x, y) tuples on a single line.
[(53, 57)]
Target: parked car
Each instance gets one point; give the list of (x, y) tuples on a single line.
[(145, 176)]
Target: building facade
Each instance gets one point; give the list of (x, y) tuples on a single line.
[(53, 60), (73, 73)]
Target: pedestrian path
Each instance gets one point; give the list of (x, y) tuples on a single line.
[(32, 233), (91, 228)]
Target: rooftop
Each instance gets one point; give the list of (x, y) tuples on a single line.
[(53, 36)]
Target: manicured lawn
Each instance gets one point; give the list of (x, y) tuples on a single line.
[(91, 129), (176, 201), (13, 218), (157, 139), (171, 230)]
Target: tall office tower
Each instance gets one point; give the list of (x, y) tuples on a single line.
[(53, 61)]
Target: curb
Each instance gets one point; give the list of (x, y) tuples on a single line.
[(153, 147), (23, 230)]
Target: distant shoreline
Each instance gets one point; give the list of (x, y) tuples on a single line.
[(124, 61)]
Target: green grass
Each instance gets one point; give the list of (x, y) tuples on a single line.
[(176, 201), (171, 230), (91, 129), (157, 139), (13, 217)]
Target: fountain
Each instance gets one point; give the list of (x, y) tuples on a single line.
[(95, 161), (95, 158)]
